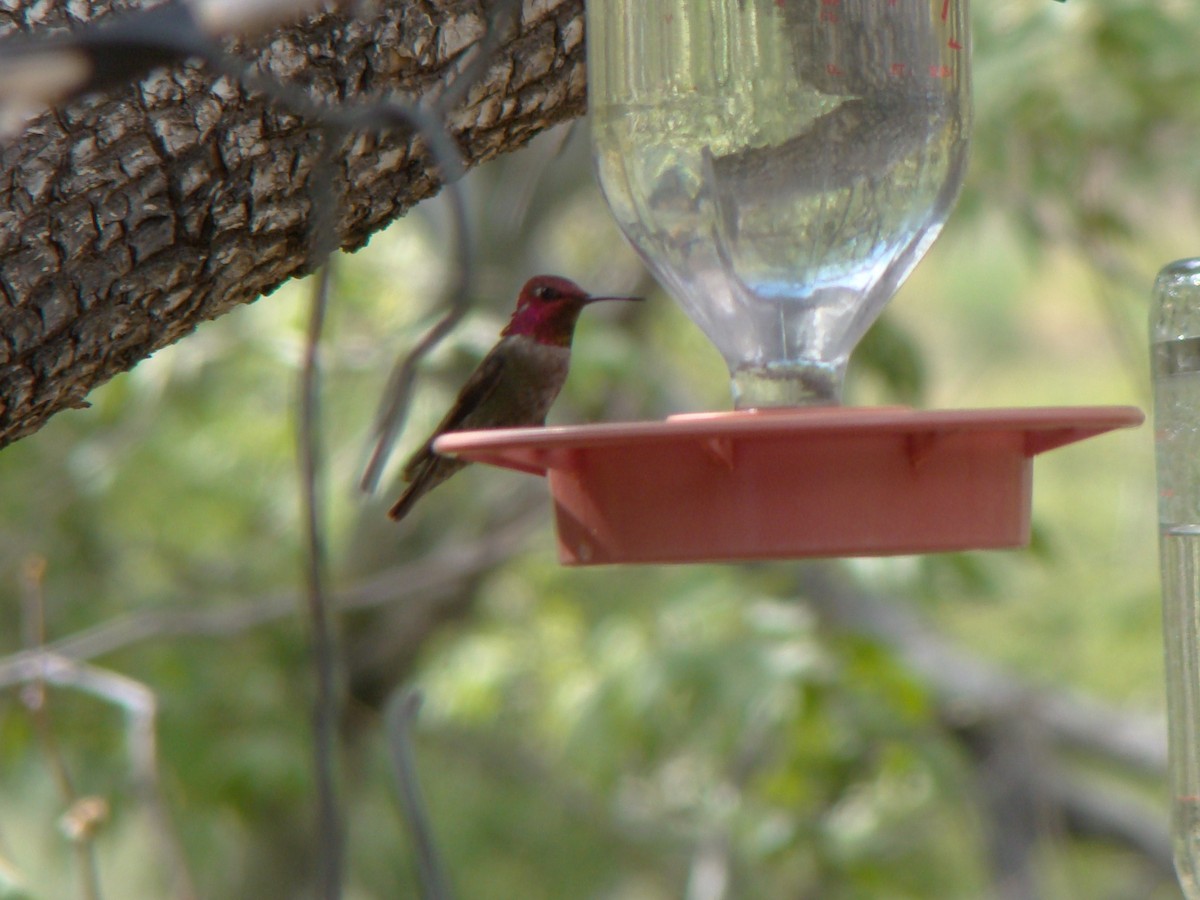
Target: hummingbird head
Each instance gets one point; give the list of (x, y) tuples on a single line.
[(547, 309)]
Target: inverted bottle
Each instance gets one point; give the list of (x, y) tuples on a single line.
[(781, 167)]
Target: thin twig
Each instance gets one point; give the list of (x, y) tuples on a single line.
[(324, 652), (401, 711), (36, 701), (143, 750), (397, 395), (33, 638)]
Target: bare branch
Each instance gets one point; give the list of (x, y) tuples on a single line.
[(141, 709), (327, 699), (422, 584), (401, 713), (80, 829)]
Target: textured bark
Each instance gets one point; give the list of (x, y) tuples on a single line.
[(126, 219)]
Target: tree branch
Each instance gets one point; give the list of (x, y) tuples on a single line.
[(129, 217)]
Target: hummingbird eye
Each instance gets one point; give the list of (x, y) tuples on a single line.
[(544, 292)]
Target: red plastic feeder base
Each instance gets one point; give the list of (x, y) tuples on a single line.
[(770, 484)]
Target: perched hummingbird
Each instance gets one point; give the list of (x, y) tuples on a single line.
[(515, 384)]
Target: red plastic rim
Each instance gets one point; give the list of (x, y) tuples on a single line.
[(836, 481)]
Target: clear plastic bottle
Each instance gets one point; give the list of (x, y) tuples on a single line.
[(1175, 359), (781, 166)]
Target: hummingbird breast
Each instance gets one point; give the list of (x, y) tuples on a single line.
[(531, 376)]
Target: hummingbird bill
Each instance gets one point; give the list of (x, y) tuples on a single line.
[(515, 384)]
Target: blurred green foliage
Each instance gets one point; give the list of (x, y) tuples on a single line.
[(610, 733)]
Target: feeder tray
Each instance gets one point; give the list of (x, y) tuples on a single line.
[(769, 484)]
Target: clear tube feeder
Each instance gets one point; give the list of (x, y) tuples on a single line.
[(1175, 360), (782, 166)]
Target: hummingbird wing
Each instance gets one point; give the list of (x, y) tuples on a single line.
[(471, 397), (426, 469), (514, 385)]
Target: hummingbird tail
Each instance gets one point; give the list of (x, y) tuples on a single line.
[(410, 496), (430, 471)]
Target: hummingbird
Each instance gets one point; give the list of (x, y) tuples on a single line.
[(514, 385)]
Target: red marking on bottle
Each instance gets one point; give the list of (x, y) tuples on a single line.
[(937, 71), (954, 45), (832, 69), (945, 10), (898, 69)]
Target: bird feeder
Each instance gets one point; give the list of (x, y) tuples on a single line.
[(781, 166)]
